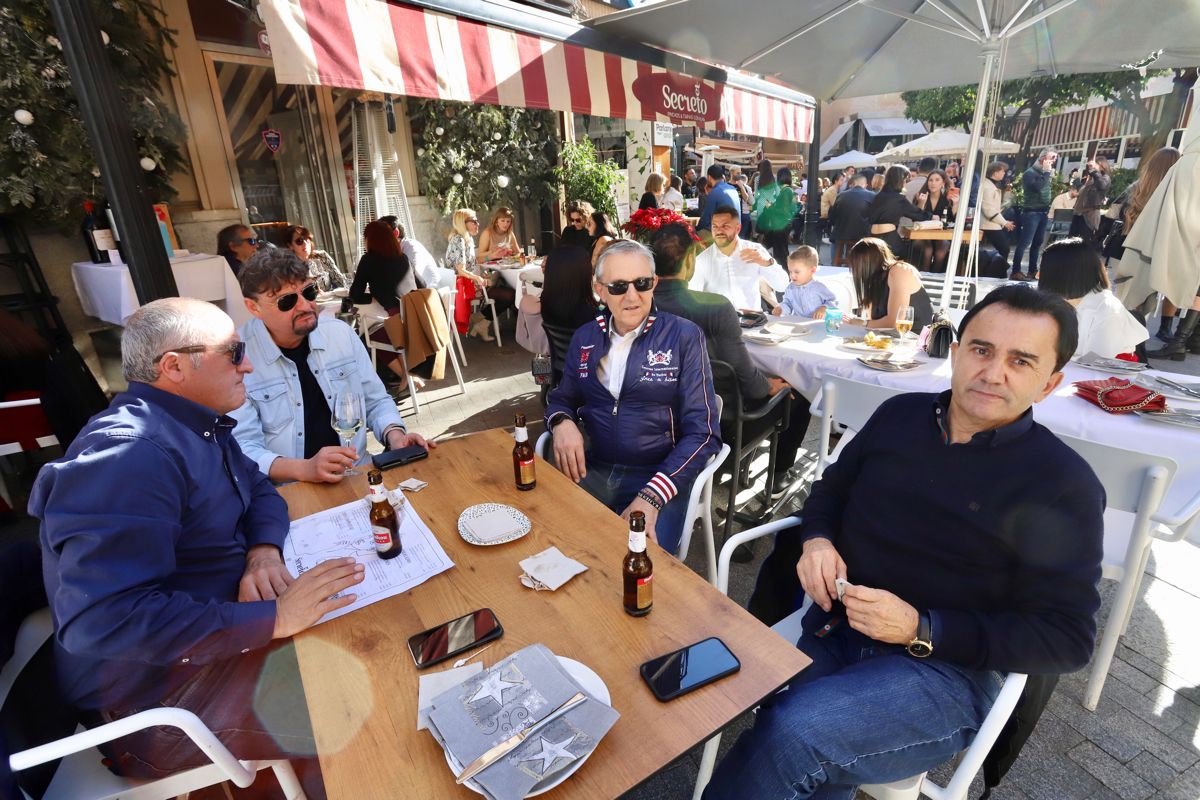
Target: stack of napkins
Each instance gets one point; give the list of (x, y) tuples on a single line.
[(549, 569), (514, 695)]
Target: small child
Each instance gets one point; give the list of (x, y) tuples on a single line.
[(804, 297)]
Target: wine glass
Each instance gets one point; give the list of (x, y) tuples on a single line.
[(904, 323), (347, 419)]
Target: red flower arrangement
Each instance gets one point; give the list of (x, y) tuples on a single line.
[(644, 222)]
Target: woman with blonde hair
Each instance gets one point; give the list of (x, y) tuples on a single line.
[(461, 257), (498, 239), (654, 191)]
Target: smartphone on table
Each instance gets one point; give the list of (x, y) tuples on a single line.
[(675, 674), (456, 636)]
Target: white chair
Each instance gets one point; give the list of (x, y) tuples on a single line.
[(482, 299), (962, 290), (699, 505), (449, 295), (908, 788), (82, 776), (13, 448), (1134, 485), (372, 317), (846, 402)]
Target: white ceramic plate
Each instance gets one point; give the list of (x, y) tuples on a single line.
[(887, 364), (856, 345), (786, 329), (1113, 366), (765, 339), (1148, 382), (591, 683), (476, 523)]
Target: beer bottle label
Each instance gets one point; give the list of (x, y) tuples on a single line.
[(383, 537), (645, 591), (377, 492), (637, 541), (526, 468)]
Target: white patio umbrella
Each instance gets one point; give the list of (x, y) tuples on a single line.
[(853, 48), (945, 142), (855, 158)]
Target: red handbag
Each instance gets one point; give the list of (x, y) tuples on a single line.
[(1117, 396)]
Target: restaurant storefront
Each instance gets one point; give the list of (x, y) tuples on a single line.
[(285, 105)]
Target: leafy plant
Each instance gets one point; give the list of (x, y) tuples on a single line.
[(482, 156), (585, 177), (47, 168), (1121, 180)]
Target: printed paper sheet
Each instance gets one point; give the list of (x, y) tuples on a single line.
[(346, 531)]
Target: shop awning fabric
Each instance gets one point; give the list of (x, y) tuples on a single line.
[(407, 50)]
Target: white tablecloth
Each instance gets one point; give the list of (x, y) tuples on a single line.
[(804, 361), (106, 290), (519, 278)]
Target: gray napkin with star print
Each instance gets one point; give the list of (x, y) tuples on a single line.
[(512, 696)]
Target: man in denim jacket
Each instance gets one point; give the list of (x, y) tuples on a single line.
[(285, 423)]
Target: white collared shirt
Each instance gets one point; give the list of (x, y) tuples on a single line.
[(611, 370), (735, 278)]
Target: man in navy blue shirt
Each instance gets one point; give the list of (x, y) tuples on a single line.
[(720, 195), (970, 538), (161, 555)]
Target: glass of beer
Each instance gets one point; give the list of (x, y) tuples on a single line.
[(347, 417), (904, 321)]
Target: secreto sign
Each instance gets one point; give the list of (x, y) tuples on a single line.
[(679, 97)]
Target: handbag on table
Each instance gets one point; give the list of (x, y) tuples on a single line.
[(1119, 396), (940, 337)]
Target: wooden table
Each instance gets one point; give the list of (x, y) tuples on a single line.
[(361, 684), (936, 234)]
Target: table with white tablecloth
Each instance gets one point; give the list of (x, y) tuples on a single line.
[(521, 277), (840, 281), (804, 361), (106, 290)]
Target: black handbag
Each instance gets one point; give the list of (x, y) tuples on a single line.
[(1114, 242), (941, 336)]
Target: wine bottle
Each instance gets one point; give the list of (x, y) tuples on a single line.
[(96, 234)]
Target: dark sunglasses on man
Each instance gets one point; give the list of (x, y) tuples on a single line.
[(250, 240), (620, 287), (236, 351), (576, 220), (287, 302)]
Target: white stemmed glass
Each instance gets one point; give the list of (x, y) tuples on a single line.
[(347, 419)]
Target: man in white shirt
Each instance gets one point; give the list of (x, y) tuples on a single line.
[(423, 264), (732, 266)]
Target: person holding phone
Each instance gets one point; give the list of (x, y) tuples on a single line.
[(300, 366)]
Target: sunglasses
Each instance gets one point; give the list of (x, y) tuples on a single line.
[(620, 287), (576, 220), (236, 351), (253, 241), (299, 242), (288, 301)]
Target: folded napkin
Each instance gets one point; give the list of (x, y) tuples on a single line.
[(549, 569), (493, 525), (515, 694), (434, 683)]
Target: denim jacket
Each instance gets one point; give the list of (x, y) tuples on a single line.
[(270, 424)]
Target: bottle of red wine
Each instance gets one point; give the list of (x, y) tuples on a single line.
[(96, 233)]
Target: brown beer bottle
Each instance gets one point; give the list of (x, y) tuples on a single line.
[(523, 457), (637, 569), (385, 528)]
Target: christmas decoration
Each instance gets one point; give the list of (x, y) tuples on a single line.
[(644, 222), (482, 156), (148, 164), (47, 168)]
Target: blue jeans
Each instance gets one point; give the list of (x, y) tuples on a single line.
[(1033, 231), (864, 712), (616, 485)]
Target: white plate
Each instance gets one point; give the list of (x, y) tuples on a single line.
[(786, 329), (1148, 382), (859, 347), (1113, 366), (888, 364), (591, 683), (765, 339), (499, 514)]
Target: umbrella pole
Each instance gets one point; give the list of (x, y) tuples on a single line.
[(990, 51)]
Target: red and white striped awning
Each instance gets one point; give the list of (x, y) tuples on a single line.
[(1090, 124), (404, 50)]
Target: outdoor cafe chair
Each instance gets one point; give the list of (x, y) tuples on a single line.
[(909, 788), (845, 401), (9, 448), (81, 774), (449, 295), (699, 504)]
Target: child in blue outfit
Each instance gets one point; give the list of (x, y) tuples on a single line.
[(804, 296)]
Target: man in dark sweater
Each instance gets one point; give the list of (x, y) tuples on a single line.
[(674, 260), (954, 576), (847, 218)]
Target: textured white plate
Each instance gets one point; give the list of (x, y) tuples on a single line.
[(591, 683), (476, 524), (888, 365)]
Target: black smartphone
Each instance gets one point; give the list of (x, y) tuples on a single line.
[(689, 668), (397, 458), (451, 638)]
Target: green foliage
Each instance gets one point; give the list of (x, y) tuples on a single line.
[(1121, 180), (47, 168), (585, 177), (483, 144)]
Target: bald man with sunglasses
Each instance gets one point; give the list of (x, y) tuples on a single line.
[(301, 364), (639, 382)]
